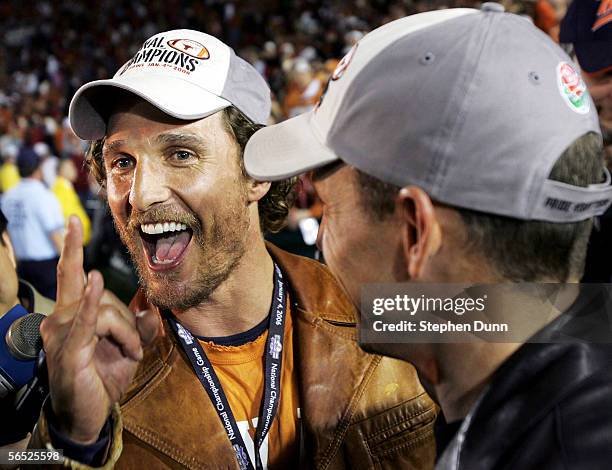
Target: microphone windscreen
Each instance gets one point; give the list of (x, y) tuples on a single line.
[(23, 337)]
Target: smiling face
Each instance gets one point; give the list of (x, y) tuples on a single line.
[(179, 201)]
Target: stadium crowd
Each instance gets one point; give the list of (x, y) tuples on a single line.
[(49, 49)]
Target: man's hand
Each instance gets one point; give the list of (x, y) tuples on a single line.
[(93, 344)]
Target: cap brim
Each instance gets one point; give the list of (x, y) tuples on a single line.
[(286, 149), (91, 105)]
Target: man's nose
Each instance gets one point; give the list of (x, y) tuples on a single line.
[(149, 186)]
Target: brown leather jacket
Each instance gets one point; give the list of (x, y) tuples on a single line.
[(358, 410)]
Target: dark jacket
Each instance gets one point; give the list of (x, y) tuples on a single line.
[(359, 410), (549, 406)]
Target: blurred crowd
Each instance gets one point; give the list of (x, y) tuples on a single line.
[(50, 48)]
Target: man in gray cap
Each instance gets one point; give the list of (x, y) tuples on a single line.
[(461, 146), (257, 364)]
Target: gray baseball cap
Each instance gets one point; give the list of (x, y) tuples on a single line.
[(184, 73), (473, 106)]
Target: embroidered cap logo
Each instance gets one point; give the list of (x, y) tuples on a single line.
[(572, 88), (190, 47)]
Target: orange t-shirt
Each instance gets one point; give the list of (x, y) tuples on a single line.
[(240, 370)]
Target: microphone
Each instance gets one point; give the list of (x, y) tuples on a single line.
[(20, 343), (22, 362), (23, 337)]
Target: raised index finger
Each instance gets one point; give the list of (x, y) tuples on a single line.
[(70, 273)]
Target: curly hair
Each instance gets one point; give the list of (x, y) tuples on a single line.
[(273, 207)]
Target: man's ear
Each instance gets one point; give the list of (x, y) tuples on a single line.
[(9, 247), (421, 234), (257, 189)]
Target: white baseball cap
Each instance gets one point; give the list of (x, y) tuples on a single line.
[(473, 106), (184, 73)]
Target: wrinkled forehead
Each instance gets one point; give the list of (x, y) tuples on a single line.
[(137, 124), (143, 122), (129, 104)]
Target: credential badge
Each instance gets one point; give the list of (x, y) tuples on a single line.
[(275, 346), (184, 334)]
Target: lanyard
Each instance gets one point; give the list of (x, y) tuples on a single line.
[(272, 372)]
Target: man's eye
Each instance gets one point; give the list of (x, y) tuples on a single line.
[(182, 155), (123, 163)]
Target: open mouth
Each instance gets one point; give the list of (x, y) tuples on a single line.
[(165, 243)]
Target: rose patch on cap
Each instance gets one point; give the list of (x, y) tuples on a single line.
[(572, 88)]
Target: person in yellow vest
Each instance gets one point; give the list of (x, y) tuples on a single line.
[(68, 198), (9, 175)]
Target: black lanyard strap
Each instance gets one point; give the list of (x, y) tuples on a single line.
[(272, 375)]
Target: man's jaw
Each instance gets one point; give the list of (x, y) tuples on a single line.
[(193, 263)]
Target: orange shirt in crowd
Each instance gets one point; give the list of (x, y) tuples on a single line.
[(300, 100), (546, 18)]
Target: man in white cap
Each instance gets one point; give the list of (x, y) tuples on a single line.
[(461, 146), (257, 363)]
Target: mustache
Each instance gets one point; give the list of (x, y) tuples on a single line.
[(164, 214)]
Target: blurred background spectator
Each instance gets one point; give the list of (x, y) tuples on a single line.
[(50, 48), (304, 89), (63, 189), (13, 290), (35, 223), (9, 174)]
